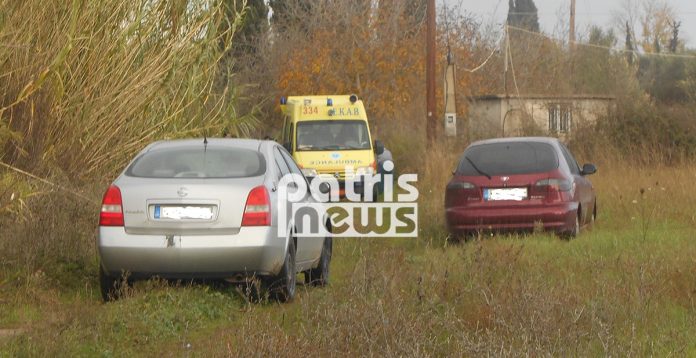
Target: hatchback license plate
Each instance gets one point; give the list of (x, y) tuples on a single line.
[(183, 212), (517, 194)]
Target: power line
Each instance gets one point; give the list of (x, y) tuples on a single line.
[(487, 58), (578, 12), (512, 64), (495, 11), (45, 181), (674, 55)]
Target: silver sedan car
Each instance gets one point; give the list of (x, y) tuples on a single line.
[(206, 209)]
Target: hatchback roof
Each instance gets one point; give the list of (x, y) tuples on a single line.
[(549, 140), (253, 144)]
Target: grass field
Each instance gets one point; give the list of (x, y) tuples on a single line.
[(84, 85), (625, 287)]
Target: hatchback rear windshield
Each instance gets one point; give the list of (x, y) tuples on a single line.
[(508, 158), (198, 163)]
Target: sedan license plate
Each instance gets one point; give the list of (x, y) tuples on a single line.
[(517, 194), (183, 212)]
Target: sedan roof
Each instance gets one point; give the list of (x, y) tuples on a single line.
[(252, 144)]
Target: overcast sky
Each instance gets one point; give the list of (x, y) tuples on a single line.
[(588, 12)]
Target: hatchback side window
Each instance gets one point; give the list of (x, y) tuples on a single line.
[(282, 166), (572, 163)]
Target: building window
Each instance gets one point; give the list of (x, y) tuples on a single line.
[(560, 118)]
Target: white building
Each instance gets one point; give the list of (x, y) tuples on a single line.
[(506, 116)]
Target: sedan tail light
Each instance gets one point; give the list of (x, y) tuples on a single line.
[(112, 208), (257, 211)]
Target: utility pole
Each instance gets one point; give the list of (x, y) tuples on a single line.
[(431, 122), (572, 24), (505, 68), (571, 42)]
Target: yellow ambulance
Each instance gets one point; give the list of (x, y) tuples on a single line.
[(330, 136)]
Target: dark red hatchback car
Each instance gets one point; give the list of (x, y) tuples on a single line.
[(513, 184)]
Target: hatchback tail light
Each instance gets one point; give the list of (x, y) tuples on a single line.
[(555, 184), (551, 189), (112, 208), (462, 185), (257, 211), (459, 193)]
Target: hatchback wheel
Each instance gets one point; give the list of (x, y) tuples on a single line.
[(576, 229), (319, 276), (594, 215), (282, 286)]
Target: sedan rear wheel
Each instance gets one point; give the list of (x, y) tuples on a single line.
[(283, 286), (111, 288), (319, 276)]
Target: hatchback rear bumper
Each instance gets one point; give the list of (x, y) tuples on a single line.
[(253, 251), (554, 217)]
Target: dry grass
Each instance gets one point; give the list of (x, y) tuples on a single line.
[(627, 287), (85, 84)]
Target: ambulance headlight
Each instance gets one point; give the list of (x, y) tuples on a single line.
[(359, 171), (309, 172)]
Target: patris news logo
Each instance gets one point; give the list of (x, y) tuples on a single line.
[(351, 208)]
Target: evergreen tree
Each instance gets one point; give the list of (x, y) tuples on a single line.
[(523, 14), (254, 25), (629, 44), (656, 45), (674, 41), (417, 10), (289, 12)]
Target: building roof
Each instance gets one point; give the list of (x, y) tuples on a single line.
[(543, 96)]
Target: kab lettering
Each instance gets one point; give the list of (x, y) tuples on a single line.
[(348, 111)]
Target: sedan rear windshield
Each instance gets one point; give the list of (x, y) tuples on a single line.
[(508, 159), (198, 163)]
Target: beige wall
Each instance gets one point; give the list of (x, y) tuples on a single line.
[(488, 117), (484, 119)]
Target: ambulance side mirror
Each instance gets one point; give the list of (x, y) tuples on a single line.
[(379, 147), (287, 147)]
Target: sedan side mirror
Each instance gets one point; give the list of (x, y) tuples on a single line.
[(379, 147), (588, 169)]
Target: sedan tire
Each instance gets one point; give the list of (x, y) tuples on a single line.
[(111, 288), (319, 276), (283, 286)]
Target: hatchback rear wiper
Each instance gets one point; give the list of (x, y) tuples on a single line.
[(477, 168)]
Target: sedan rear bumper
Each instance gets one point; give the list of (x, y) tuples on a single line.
[(554, 217), (253, 251)]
